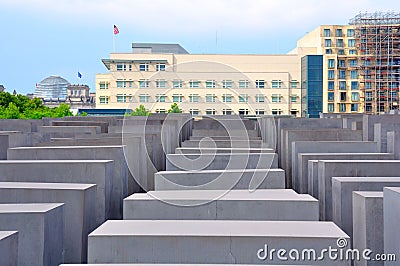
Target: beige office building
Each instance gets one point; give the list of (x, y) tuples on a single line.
[(158, 75)]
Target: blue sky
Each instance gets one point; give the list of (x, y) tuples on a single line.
[(40, 38)]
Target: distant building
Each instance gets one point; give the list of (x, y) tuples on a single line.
[(79, 96), (2, 88), (53, 88)]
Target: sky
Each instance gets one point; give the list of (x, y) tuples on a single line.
[(39, 38)]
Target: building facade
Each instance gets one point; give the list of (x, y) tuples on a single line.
[(200, 83)]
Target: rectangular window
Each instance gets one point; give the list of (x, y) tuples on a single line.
[(194, 112), (260, 98), (343, 96), (243, 111), (161, 111), (260, 84), (328, 51), (160, 67), (227, 112), (210, 111), (350, 32), (143, 98), (160, 98), (143, 67), (331, 107), (342, 107), (160, 83), (276, 98), (243, 84), (351, 43), (144, 83), (342, 63), (293, 98), (177, 83), (327, 33), (331, 74), (355, 96), (121, 67), (354, 85), (121, 98), (331, 96), (121, 84), (354, 107), (103, 85), (328, 43), (368, 85), (294, 84), (103, 99), (210, 98), (260, 112), (339, 33), (331, 63), (194, 98), (227, 98), (353, 52), (340, 52), (130, 67), (353, 63), (194, 84), (331, 85), (210, 84), (368, 96), (226, 84), (342, 74), (339, 43), (276, 84), (353, 74), (243, 98), (177, 98), (342, 85), (276, 111)]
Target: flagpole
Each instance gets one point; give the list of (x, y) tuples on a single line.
[(113, 43)]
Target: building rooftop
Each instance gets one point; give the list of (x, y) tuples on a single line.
[(158, 48)]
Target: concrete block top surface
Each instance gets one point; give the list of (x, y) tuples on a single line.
[(29, 207), (360, 161), (242, 195), (394, 189), (5, 234), (378, 179), (52, 161), (66, 147), (369, 194), (54, 186), (343, 154), (215, 228), (220, 171)]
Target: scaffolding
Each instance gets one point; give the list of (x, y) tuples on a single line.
[(378, 41)]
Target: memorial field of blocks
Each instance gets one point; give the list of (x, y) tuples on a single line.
[(217, 190)]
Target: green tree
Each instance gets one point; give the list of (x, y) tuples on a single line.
[(140, 111), (11, 112), (174, 109)]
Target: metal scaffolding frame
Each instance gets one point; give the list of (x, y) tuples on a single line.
[(378, 41)]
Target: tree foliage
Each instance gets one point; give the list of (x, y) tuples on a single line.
[(21, 107), (174, 109), (140, 111)]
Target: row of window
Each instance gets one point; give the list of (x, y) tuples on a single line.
[(342, 107), (343, 74), (355, 96), (243, 111), (341, 51), (339, 43), (195, 98), (142, 67), (354, 85), (342, 63), (209, 84), (339, 33)]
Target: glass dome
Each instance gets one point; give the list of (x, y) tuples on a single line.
[(53, 87)]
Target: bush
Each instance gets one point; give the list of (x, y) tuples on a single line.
[(174, 109), (140, 111)]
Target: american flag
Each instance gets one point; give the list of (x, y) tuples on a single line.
[(116, 30)]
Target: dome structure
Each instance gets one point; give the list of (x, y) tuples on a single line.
[(53, 87)]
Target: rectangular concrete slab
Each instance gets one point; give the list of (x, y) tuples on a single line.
[(348, 168), (302, 174), (40, 232), (9, 248), (222, 150), (342, 189), (391, 218), (223, 143), (220, 179), (188, 241), (97, 172), (313, 178), (221, 161), (219, 205), (115, 153), (79, 208), (368, 223)]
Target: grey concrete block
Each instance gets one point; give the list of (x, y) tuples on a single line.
[(239, 132), (349, 168), (97, 172), (188, 241), (9, 248), (302, 176), (220, 179), (103, 125), (21, 125), (342, 189), (391, 218), (40, 232), (221, 161), (368, 223), (219, 205), (223, 143), (79, 209), (115, 153), (222, 150), (313, 178)]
